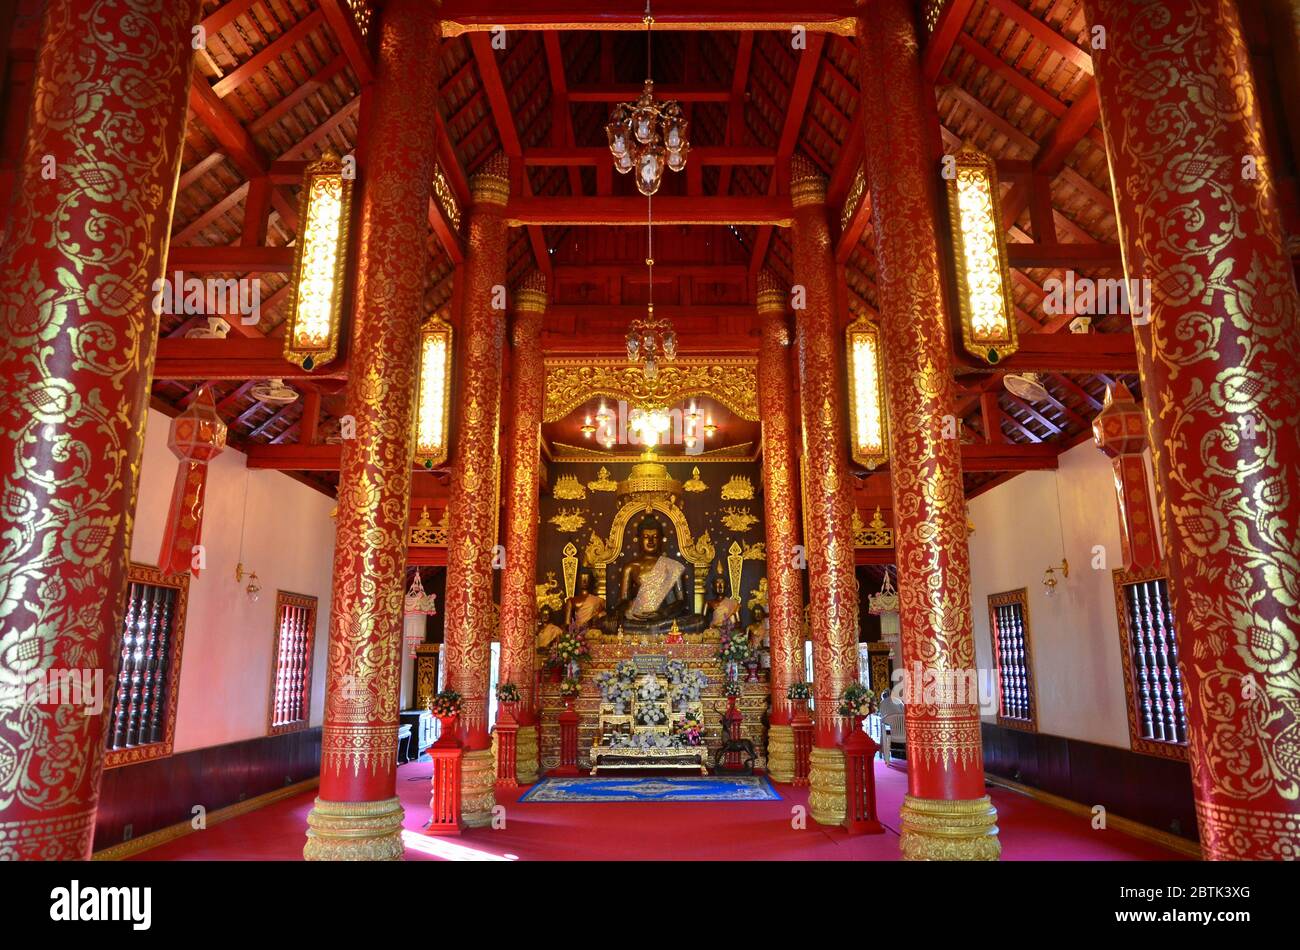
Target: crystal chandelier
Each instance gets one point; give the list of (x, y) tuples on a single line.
[(647, 135)]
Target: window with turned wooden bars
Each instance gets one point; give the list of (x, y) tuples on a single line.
[(1009, 626), (295, 632), (142, 718), (1153, 684)]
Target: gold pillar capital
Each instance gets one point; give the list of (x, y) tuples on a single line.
[(807, 183), (491, 183), (770, 298), (530, 297)]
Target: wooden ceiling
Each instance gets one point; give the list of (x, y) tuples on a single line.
[(279, 81)]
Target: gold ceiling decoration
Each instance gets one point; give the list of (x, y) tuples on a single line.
[(570, 382), (425, 534), (874, 535), (740, 452)]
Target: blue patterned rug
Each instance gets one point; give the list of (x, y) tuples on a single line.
[(730, 788)]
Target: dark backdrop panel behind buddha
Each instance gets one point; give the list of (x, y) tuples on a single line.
[(704, 510)]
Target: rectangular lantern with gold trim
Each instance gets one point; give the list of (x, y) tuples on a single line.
[(433, 393), (988, 319), (868, 425), (319, 264)]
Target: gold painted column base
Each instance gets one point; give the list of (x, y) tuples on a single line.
[(943, 830), (827, 797), (780, 754), (526, 765), (478, 776), (354, 831)]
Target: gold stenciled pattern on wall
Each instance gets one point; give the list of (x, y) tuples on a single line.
[(695, 483), (739, 520), (572, 382), (569, 488), (568, 520), (602, 481), (738, 488)]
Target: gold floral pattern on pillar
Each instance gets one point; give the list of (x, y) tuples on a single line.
[(1222, 398), (76, 353)]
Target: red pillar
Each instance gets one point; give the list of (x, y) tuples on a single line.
[(357, 815), (519, 586), (77, 339), (475, 483), (1220, 367), (780, 494), (946, 814), (833, 592)]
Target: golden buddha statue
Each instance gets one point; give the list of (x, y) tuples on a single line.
[(652, 589), (585, 607), (722, 611)]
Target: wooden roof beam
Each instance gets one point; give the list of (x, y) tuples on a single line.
[(471, 16)]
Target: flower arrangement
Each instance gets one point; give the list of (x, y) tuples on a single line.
[(685, 686), (649, 689), (798, 691), (857, 700), (733, 688), (445, 704), (651, 714), (734, 649), (570, 687), (570, 648), (507, 693), (689, 730)]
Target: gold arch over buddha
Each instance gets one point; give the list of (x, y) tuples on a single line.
[(698, 551), (572, 381)]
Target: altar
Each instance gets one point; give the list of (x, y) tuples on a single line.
[(595, 722)]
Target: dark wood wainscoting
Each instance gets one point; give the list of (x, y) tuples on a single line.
[(138, 799), (1156, 792)]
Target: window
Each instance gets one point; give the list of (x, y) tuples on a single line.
[(1009, 627), (142, 723), (1153, 684), (295, 634)]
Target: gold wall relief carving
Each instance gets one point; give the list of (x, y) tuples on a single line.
[(425, 534), (571, 382), (568, 520), (603, 482), (876, 534), (569, 564), (568, 488), (737, 488), (548, 594), (739, 520), (695, 483)]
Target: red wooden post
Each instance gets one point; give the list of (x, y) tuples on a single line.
[(860, 782), (568, 741), (802, 728), (445, 799), (507, 731)]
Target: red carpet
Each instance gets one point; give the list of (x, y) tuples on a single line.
[(651, 831)]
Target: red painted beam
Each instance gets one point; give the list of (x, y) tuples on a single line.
[(462, 16), (941, 40), (627, 92), (232, 358), (1025, 255), (344, 27), (263, 260), (631, 210), (597, 155), (1065, 353)]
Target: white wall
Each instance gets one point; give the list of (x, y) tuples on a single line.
[(226, 667), (1074, 636)]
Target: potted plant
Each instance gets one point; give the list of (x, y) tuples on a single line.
[(508, 696), (446, 707), (857, 701)]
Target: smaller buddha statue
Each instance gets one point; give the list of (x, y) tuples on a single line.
[(760, 640), (585, 608), (722, 611), (548, 633)]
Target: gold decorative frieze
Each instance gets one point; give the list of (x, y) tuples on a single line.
[(568, 520), (568, 488), (738, 488), (695, 483), (603, 482), (732, 381), (738, 519), (446, 198), (425, 534), (874, 535), (853, 198)]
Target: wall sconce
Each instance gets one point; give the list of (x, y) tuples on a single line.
[(254, 587), (868, 423), (433, 393), (988, 320), (319, 264), (1049, 577)]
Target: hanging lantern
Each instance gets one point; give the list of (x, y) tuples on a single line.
[(433, 392), (196, 437), (1119, 430), (988, 320), (868, 424), (319, 264)]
